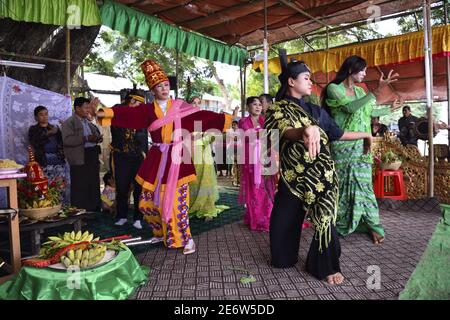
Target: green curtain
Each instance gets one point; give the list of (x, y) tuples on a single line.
[(73, 13), (133, 23)]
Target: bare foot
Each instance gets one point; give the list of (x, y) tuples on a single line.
[(336, 278), (330, 279), (377, 238)]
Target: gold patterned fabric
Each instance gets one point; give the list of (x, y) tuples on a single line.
[(314, 182)]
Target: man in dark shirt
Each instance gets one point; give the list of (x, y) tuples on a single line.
[(378, 129), (129, 148), (406, 126)]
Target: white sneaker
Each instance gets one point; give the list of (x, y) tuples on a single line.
[(121, 222), (137, 224), (190, 247), (156, 240)]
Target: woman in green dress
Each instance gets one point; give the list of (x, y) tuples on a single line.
[(204, 191), (352, 109)]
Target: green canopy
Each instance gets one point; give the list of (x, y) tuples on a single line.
[(133, 23), (74, 13), (119, 17)]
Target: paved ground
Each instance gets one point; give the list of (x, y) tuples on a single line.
[(229, 252)]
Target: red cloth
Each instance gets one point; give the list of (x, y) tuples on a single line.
[(142, 117)]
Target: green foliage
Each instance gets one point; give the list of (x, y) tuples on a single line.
[(255, 84), (116, 55), (409, 23), (390, 157)]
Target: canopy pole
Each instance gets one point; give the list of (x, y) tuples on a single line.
[(68, 61), (241, 78), (326, 63), (176, 73), (448, 79), (428, 83), (245, 88), (266, 52)]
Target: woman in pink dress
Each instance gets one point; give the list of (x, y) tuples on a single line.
[(257, 184)]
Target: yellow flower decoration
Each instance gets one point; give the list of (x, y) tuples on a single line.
[(310, 197), (297, 124), (320, 187), (284, 122), (329, 175), (300, 168), (307, 158), (289, 175), (278, 115), (305, 121)]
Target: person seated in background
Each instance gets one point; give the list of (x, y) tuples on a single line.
[(109, 194), (406, 126), (378, 129), (413, 128), (47, 143), (266, 101)]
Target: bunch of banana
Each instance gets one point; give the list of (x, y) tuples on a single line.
[(84, 258), (55, 243), (79, 236)]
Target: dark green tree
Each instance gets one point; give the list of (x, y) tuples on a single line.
[(117, 55)]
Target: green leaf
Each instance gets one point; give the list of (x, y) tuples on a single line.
[(249, 279)]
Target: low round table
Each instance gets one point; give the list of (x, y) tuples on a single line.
[(115, 280)]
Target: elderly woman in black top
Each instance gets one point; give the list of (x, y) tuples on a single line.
[(46, 141)]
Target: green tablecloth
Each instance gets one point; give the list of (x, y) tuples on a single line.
[(116, 280)]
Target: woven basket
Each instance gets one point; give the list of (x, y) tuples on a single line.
[(40, 213), (391, 166)]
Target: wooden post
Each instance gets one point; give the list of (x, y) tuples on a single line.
[(266, 52), (328, 52), (68, 80), (176, 73), (241, 78), (245, 88), (448, 79), (429, 92)]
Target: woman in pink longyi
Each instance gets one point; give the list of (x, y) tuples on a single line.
[(257, 187)]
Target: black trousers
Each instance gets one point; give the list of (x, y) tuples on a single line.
[(285, 230), (85, 182), (125, 171)]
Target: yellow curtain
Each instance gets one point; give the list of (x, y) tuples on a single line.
[(392, 50)]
